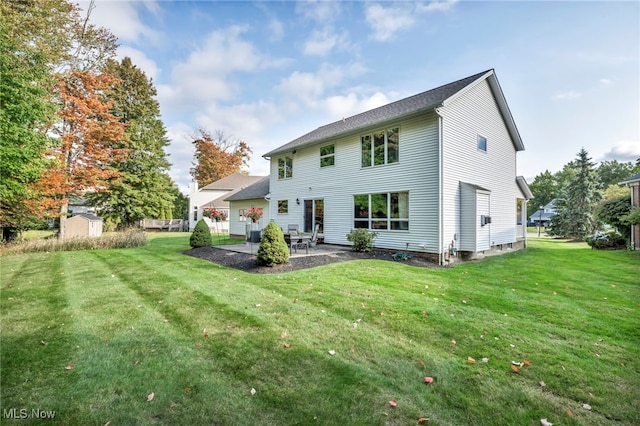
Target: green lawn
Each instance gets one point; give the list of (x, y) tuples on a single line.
[(91, 335)]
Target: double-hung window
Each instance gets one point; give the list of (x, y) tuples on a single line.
[(381, 211), (285, 167), (380, 147), (327, 155)]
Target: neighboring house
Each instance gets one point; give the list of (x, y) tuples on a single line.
[(213, 195), (79, 205), (634, 185), (83, 225), (435, 172), (255, 195), (542, 217)]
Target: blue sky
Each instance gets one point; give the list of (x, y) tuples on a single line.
[(267, 72)]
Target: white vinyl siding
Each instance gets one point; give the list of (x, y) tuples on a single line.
[(475, 113), (415, 172)]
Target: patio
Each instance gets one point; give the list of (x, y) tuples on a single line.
[(318, 250)]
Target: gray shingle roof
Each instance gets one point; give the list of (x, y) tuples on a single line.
[(257, 190), (634, 178), (421, 102), (232, 182)]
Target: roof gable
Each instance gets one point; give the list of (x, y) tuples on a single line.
[(259, 189), (415, 104), (232, 182)]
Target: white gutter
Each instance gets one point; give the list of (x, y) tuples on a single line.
[(440, 187)]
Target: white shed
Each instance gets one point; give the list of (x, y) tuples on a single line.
[(83, 225)]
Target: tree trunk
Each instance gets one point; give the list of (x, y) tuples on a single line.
[(64, 208)]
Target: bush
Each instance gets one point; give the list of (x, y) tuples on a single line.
[(201, 236), (600, 240), (362, 239), (273, 249)]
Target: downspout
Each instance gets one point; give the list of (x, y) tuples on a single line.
[(440, 187)]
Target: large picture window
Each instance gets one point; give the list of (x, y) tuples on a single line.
[(285, 167), (380, 148), (381, 211)]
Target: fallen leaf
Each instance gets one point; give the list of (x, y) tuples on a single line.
[(515, 369), (464, 301), (284, 334), (107, 423), (151, 396), (43, 343), (295, 300), (543, 384), (471, 360), (258, 305), (586, 406), (527, 363), (485, 359), (425, 314), (544, 422), (381, 314), (569, 412), (428, 380), (453, 341), (332, 352), (206, 335), (393, 403), (253, 391), (421, 362), (423, 420), (287, 345), (69, 367), (187, 391)]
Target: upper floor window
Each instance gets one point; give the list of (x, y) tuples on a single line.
[(387, 211), (380, 147), (285, 167), (482, 143), (327, 155)]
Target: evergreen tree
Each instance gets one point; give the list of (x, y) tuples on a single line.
[(201, 235), (575, 216), (273, 248), (144, 188)]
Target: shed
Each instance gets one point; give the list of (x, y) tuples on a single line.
[(83, 225)]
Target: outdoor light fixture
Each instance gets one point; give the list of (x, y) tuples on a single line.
[(298, 201)]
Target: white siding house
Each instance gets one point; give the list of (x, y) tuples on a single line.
[(436, 171), (255, 195), (213, 196)]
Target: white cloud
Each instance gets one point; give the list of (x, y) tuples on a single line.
[(318, 10), (605, 82), (338, 107), (311, 86), (387, 21), (624, 151), (122, 19), (567, 95), (322, 42)]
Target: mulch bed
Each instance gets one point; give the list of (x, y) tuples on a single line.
[(248, 262)]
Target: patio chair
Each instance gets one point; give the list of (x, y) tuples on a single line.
[(292, 227), (314, 236)]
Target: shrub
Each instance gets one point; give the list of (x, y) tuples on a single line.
[(201, 236), (600, 240), (273, 249), (362, 239)]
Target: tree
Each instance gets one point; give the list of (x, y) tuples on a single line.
[(544, 188), (273, 249), (33, 39), (575, 209), (612, 172), (143, 188), (612, 213), (201, 235), (217, 156), (90, 140)]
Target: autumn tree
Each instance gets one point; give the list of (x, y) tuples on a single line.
[(575, 216), (143, 188), (217, 156), (33, 40)]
